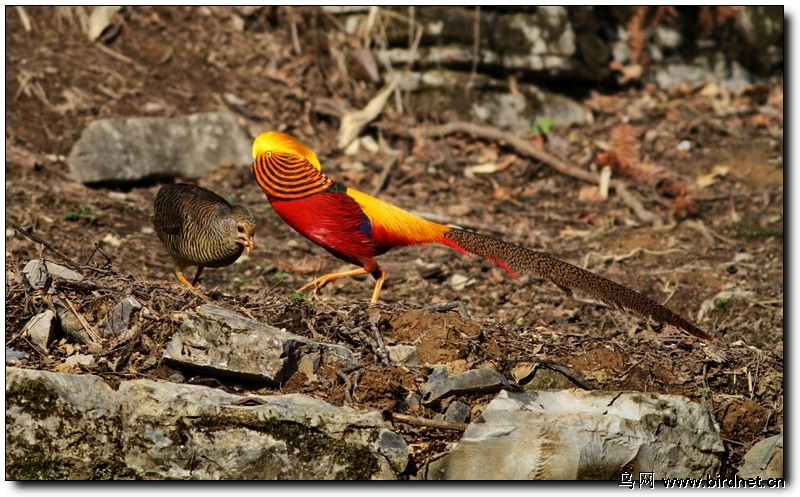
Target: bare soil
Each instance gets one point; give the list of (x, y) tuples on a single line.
[(173, 61)]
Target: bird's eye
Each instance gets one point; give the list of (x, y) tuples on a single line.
[(269, 153), (240, 228)]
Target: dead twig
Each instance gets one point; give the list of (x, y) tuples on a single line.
[(526, 148), (430, 423), (449, 306), (36, 239), (707, 232), (387, 169), (23, 17), (573, 376), (635, 205), (293, 30), (491, 133), (114, 54), (347, 385)]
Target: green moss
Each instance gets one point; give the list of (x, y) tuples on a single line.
[(34, 398), (306, 447), (40, 459), (744, 230)]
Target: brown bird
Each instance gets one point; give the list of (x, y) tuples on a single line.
[(200, 228), (357, 227)]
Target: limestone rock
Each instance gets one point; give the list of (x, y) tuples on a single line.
[(67, 426), (217, 341), (764, 459), (585, 435), (486, 379), (118, 150)]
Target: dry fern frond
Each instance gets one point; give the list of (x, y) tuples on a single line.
[(637, 38)]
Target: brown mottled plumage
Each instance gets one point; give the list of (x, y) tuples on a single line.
[(520, 260), (200, 228)]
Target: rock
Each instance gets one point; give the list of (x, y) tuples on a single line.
[(486, 379), (14, 356), (40, 330), (457, 412), (120, 316), (764, 459), (547, 379), (177, 378), (80, 360), (118, 150), (37, 270), (71, 325), (308, 365), (733, 77), (76, 427), (216, 341), (585, 435), (403, 354)]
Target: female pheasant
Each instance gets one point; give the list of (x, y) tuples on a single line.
[(200, 228), (356, 228)]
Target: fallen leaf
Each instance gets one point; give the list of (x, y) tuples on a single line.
[(708, 179)]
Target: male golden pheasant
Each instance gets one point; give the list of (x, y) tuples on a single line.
[(357, 227), (200, 228)]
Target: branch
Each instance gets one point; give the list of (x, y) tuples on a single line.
[(523, 147), (431, 423), (36, 239)]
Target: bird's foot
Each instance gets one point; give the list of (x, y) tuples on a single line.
[(315, 285), (191, 287)]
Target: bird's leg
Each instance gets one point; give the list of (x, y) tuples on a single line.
[(197, 275), (179, 274), (380, 275), (327, 278)]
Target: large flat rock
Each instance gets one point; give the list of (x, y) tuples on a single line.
[(68, 426), (121, 150)]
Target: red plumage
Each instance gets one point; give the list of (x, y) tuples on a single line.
[(333, 221)]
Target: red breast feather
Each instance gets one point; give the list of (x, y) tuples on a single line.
[(333, 221)]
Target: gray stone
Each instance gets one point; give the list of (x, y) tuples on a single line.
[(120, 317), (486, 379), (217, 341), (124, 150), (14, 356), (764, 459), (80, 360), (37, 270), (40, 330), (403, 354), (457, 412), (585, 435), (67, 426), (177, 378)]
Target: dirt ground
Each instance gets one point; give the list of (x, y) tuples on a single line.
[(173, 61)]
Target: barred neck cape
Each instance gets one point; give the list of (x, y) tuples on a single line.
[(291, 172)]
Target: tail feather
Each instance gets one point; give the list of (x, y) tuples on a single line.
[(519, 260)]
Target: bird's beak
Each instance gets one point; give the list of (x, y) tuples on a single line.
[(248, 244)]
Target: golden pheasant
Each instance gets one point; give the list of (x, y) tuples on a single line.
[(200, 228), (356, 227)]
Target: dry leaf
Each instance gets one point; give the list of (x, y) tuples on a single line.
[(353, 122), (486, 168), (706, 180)]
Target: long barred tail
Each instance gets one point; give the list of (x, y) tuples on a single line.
[(519, 260)]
